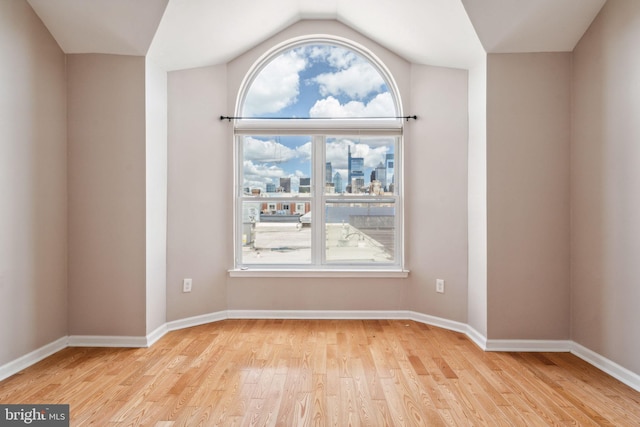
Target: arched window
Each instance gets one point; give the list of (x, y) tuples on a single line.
[(318, 140)]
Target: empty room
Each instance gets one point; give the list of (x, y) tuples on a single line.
[(348, 212)]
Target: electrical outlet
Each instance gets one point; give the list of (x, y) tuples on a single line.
[(186, 285), (440, 286)]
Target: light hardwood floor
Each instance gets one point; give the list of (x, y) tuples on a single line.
[(322, 373)]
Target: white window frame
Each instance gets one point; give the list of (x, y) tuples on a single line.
[(320, 130)]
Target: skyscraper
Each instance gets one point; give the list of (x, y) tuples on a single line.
[(381, 174), (388, 162), (285, 185), (337, 180), (356, 168), (328, 172)]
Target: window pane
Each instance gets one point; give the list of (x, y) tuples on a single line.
[(276, 164), (360, 232), (319, 80), (362, 166), (275, 232)]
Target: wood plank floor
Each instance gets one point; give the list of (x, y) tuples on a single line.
[(322, 373)]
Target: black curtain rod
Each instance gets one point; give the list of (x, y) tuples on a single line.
[(315, 118)]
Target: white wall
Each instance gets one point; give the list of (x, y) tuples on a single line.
[(477, 198), (605, 178), (33, 184)]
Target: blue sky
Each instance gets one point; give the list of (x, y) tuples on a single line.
[(313, 81)]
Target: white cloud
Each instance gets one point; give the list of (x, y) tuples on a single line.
[(336, 57), (304, 151), (357, 81), (261, 172), (277, 86), (268, 151), (380, 106)]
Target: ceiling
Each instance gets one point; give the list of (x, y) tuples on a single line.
[(179, 34)]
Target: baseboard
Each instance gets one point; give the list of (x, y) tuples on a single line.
[(32, 358), (529, 345), (451, 325), (616, 371), (107, 341), (156, 335), (477, 337), (316, 314), (196, 320)]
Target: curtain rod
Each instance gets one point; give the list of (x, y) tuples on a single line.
[(316, 118)]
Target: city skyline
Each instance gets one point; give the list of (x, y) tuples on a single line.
[(268, 179)]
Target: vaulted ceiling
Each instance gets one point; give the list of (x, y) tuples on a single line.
[(181, 34)]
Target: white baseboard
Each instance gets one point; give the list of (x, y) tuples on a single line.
[(528, 345), (32, 358), (196, 320), (316, 314), (477, 337), (156, 335), (620, 373), (439, 322), (107, 341)]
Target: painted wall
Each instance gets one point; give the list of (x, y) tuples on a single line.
[(199, 191), (528, 138), (33, 184), (477, 197), (156, 192), (106, 184), (605, 178), (436, 192)]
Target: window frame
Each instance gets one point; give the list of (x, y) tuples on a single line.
[(319, 130)]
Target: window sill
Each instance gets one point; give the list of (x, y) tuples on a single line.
[(376, 274)]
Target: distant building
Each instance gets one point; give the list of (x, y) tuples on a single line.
[(375, 188), (285, 185), (337, 182), (356, 169), (305, 185), (381, 174), (328, 173), (357, 185), (271, 188), (389, 177), (329, 188)]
